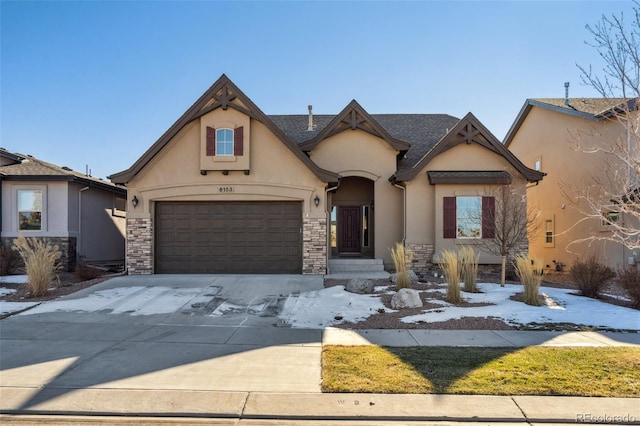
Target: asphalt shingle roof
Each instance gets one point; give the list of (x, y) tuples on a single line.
[(593, 106), (422, 131)]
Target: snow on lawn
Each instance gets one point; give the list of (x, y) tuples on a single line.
[(333, 305), (320, 308), (124, 300)]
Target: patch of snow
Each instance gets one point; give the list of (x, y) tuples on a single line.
[(574, 309), (9, 307), (333, 305), (134, 300), (5, 291), (14, 279)]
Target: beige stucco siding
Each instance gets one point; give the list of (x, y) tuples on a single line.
[(550, 138), (358, 153), (275, 173), (425, 201)]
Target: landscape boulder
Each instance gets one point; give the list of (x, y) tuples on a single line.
[(406, 298), (360, 286)]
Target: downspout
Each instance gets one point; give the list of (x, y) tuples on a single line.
[(404, 211), (79, 240)]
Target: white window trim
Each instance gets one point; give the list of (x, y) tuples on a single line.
[(553, 231), (44, 212), (217, 151), (472, 216)]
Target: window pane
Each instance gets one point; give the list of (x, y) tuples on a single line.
[(29, 221), (469, 217), (29, 209), (224, 142), (334, 227), (30, 200)]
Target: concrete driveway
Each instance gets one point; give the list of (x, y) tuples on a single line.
[(164, 332)]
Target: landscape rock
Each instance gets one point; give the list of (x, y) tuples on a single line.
[(360, 286), (413, 277), (406, 298)]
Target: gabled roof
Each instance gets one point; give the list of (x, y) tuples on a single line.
[(587, 108), (222, 94), (30, 168), (354, 117), (468, 130), (421, 131)]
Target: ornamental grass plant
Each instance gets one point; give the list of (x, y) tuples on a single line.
[(399, 257), (529, 272), (450, 265), (469, 268), (41, 263)]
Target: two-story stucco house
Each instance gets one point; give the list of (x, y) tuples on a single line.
[(228, 189), (561, 137), (83, 215)]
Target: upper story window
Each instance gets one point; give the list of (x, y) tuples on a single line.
[(29, 209), (225, 142), (469, 217)]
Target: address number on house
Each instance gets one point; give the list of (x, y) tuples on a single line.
[(225, 189)]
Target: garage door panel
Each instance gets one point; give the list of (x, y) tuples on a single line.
[(228, 237)]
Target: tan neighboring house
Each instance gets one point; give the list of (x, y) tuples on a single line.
[(83, 215), (228, 189), (551, 135)]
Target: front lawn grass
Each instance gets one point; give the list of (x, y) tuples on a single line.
[(573, 371)]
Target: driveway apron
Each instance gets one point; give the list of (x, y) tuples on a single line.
[(162, 332)]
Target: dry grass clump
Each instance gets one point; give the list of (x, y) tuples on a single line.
[(449, 263), (469, 268), (590, 276), (629, 278), (400, 259), (529, 272), (41, 263)]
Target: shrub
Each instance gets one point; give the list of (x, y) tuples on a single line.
[(590, 276), (530, 274), (7, 260), (41, 263), (400, 257), (629, 278), (86, 272), (469, 268), (451, 269)]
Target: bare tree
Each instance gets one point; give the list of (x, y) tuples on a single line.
[(513, 224), (612, 196)]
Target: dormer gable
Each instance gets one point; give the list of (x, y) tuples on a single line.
[(469, 130), (354, 117), (226, 96)]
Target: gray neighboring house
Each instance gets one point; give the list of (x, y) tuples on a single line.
[(83, 215)]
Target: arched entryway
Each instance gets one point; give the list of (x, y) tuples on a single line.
[(352, 218)]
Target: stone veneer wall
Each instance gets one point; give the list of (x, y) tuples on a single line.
[(314, 246), (422, 257), (67, 246), (139, 246)]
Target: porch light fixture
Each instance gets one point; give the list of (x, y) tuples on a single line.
[(316, 201), (134, 201)]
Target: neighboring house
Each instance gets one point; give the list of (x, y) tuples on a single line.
[(551, 135), (83, 215), (228, 189)]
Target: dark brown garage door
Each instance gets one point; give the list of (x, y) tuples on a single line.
[(228, 237)]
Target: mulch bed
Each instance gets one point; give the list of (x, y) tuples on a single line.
[(69, 283)]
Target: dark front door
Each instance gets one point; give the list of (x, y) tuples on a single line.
[(349, 229)]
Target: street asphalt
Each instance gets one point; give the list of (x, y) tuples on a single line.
[(245, 367)]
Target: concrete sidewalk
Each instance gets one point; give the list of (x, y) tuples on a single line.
[(247, 375)]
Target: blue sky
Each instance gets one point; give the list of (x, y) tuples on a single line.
[(97, 82)]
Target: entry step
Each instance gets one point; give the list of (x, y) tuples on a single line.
[(355, 265)]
